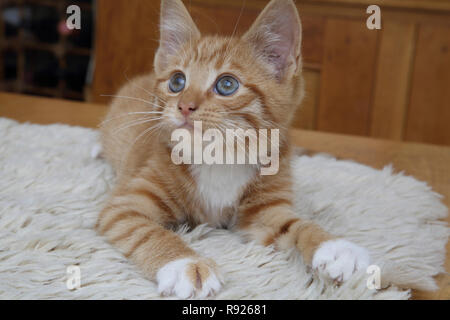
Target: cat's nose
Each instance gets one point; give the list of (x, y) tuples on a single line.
[(186, 108)]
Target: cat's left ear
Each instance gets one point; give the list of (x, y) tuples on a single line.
[(176, 29), (276, 37)]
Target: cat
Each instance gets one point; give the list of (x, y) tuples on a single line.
[(251, 81)]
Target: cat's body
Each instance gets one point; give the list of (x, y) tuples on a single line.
[(152, 193)]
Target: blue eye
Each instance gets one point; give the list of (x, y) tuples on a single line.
[(177, 82), (226, 86)]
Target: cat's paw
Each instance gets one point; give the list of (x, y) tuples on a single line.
[(339, 259), (189, 278)]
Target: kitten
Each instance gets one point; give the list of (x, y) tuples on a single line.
[(263, 86)]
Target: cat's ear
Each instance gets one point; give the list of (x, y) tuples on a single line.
[(176, 29), (276, 37)]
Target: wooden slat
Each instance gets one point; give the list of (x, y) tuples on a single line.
[(328, 9), (347, 77), (431, 5), (429, 112), (313, 28), (403, 4), (125, 43), (224, 21), (2, 52), (393, 80), (47, 111), (305, 118)]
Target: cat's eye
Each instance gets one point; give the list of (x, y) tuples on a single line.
[(226, 86), (177, 82)]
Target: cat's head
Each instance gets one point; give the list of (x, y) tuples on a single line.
[(252, 81)]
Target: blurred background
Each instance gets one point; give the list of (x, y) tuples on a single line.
[(392, 83), (39, 54)]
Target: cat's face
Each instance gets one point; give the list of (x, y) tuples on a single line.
[(245, 82), (216, 81)]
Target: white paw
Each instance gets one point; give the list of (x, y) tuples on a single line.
[(339, 259), (188, 278)]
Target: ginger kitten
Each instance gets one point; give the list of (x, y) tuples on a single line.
[(253, 81)]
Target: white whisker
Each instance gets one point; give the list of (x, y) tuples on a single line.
[(133, 99), (135, 123), (128, 114), (148, 92), (145, 132)]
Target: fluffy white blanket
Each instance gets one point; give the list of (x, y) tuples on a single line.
[(51, 191)]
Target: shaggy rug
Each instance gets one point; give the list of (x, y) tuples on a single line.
[(51, 190)]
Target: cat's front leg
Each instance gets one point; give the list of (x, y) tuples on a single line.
[(272, 221), (134, 221)]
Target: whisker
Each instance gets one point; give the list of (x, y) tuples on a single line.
[(128, 114), (135, 123), (157, 126), (148, 130), (266, 123), (235, 27), (133, 99), (137, 86), (137, 138)]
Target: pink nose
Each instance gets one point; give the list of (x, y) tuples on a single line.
[(186, 108)]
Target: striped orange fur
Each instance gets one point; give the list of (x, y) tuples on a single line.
[(152, 194)]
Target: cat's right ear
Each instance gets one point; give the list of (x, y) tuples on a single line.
[(176, 29)]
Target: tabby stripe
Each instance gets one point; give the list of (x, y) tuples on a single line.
[(220, 56), (242, 104), (265, 109), (101, 215), (139, 243), (251, 212), (251, 120), (309, 236), (269, 115), (285, 227), (129, 232), (161, 80), (157, 201), (277, 186), (161, 185), (196, 53), (119, 217), (257, 92), (283, 230), (236, 66)]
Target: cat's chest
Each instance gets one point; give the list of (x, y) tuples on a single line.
[(219, 187)]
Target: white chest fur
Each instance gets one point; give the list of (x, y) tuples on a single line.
[(220, 186)]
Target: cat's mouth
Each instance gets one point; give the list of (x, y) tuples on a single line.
[(182, 123), (186, 124)]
